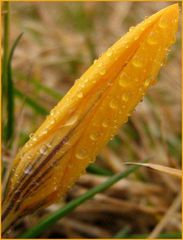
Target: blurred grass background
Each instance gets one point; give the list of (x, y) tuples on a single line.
[(60, 41)]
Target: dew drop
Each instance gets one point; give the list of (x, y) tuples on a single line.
[(52, 112), (137, 63), (86, 80), (109, 53), (45, 132), (147, 82), (81, 154), (102, 72), (113, 104), (131, 28), (125, 97), (175, 21), (141, 91), (28, 170), (71, 121), (32, 137), (123, 80), (163, 23), (152, 39), (43, 150), (94, 136), (48, 145), (80, 95), (52, 122), (105, 124)]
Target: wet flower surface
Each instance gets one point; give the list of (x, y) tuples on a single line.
[(88, 116)]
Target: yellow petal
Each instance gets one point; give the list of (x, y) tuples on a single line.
[(88, 116)]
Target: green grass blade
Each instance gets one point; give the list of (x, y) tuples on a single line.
[(4, 64), (31, 102), (177, 235), (5, 46), (123, 232), (10, 93), (53, 218), (94, 169)]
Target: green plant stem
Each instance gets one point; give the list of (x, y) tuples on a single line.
[(10, 93), (53, 218)]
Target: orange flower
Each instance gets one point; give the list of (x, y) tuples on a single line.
[(88, 116)]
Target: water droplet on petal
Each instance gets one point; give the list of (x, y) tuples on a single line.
[(137, 62), (28, 170), (163, 24), (152, 39), (126, 96), (52, 112), (86, 80), (71, 121), (105, 123), (80, 95), (44, 132), (147, 82), (123, 80), (48, 145), (131, 28), (81, 154), (109, 53), (102, 72), (52, 122), (94, 136), (113, 103), (43, 150), (32, 137)]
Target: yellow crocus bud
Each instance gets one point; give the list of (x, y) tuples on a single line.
[(88, 116)]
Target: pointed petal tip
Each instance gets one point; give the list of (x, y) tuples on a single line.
[(173, 9)]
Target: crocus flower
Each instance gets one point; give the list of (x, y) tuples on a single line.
[(88, 116)]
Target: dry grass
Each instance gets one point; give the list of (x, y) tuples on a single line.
[(55, 50)]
